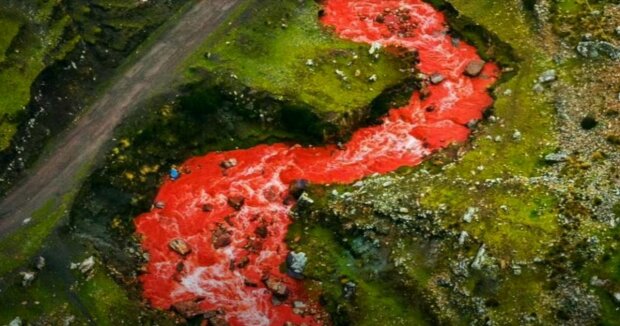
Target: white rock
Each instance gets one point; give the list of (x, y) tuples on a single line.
[(16, 322), (479, 259), (470, 214), (85, 266), (27, 278), (374, 47)]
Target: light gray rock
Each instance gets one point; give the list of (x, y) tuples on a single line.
[(548, 76)]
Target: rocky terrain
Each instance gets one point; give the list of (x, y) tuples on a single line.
[(517, 226)]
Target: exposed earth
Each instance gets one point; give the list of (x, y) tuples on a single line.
[(265, 162)]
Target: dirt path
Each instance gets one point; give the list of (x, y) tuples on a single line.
[(59, 173)]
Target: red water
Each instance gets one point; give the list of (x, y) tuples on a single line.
[(263, 173)]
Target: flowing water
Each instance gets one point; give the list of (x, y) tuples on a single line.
[(262, 174)]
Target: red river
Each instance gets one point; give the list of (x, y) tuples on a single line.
[(229, 215)]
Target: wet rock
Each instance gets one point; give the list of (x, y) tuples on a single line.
[(556, 157), (243, 262), (595, 281), (27, 278), (236, 202), (480, 258), (277, 287), (39, 263), (296, 263), (229, 163), (594, 49), (221, 237), (16, 322), (474, 68), (436, 78), (214, 318), (86, 266), (348, 289), (189, 308), (180, 247), (262, 231), (297, 187), (548, 76)]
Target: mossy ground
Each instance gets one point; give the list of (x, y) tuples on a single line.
[(268, 47)]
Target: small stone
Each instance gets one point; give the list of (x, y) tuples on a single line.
[(463, 237), (470, 214), (27, 278), (296, 263), (236, 202), (372, 78), (304, 199), (39, 263), (215, 318), (229, 163), (436, 78), (349, 289), (474, 68), (277, 287), (374, 47), (556, 157), (595, 281), (479, 259), (221, 237), (516, 135), (261, 231), (309, 62), (189, 308), (180, 247), (617, 296), (207, 208), (548, 76), (86, 266), (16, 322)]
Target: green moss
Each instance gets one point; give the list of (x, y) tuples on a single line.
[(268, 49), (331, 265), (9, 28), (27, 241), (106, 301)]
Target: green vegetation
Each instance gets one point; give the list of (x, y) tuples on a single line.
[(10, 28), (282, 48), (20, 246), (79, 41)]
